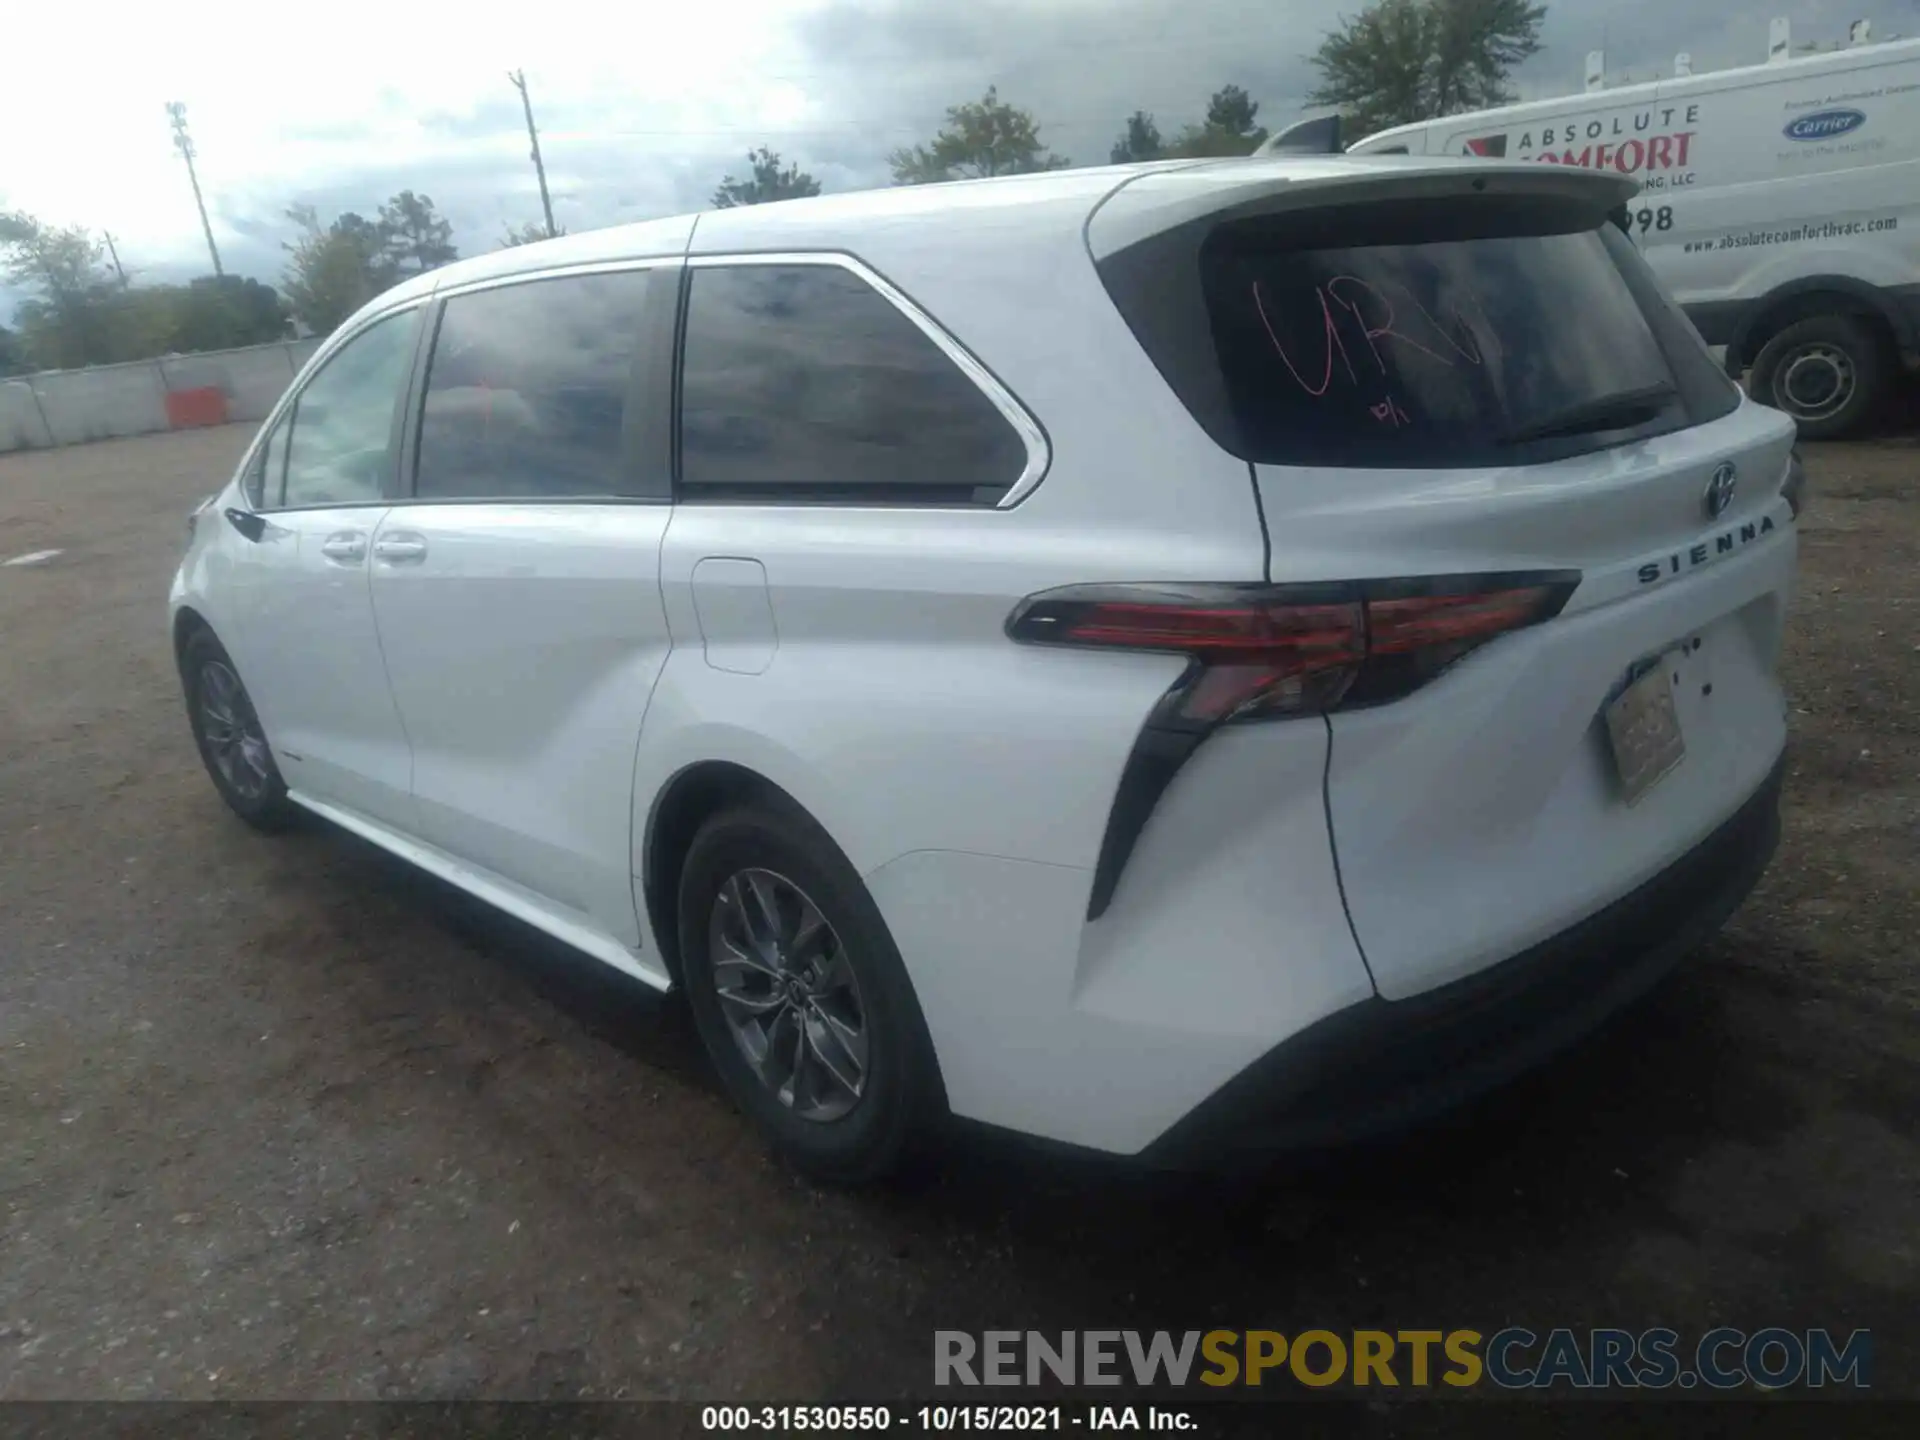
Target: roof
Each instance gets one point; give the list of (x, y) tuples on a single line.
[(977, 212)]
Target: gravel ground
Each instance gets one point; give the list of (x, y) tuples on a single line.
[(280, 1119)]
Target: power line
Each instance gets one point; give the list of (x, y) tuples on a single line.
[(183, 142)]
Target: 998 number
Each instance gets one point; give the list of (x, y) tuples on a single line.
[(1647, 218)]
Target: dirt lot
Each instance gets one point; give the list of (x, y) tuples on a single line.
[(278, 1118)]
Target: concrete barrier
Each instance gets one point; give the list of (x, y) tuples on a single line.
[(22, 426), (69, 407), (99, 404)]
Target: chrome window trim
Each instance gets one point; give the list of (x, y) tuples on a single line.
[(317, 361), (1039, 451), (560, 272)]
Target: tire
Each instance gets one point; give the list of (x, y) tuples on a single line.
[(226, 730), (757, 972), (1831, 373)]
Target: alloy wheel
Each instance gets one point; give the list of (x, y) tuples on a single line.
[(789, 998), (232, 731)]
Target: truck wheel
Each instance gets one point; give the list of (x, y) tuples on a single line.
[(1829, 372)]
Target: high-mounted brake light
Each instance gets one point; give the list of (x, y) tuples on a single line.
[(1273, 650), (1259, 651)]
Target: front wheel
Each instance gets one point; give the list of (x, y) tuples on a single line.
[(1829, 372), (226, 729), (800, 997)]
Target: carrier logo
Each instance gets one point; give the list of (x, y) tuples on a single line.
[(1493, 147), (1824, 124), (1720, 489)]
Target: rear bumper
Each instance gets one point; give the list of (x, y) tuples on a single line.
[(1383, 1065)]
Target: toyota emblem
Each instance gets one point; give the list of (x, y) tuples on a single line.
[(1720, 489)]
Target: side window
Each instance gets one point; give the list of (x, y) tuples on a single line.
[(803, 383), (339, 432), (527, 390)]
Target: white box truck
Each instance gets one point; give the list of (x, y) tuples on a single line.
[(1780, 203)]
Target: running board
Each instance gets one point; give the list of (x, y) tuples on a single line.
[(502, 894)]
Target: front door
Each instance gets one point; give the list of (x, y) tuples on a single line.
[(308, 650)]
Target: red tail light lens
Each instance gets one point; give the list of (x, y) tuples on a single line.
[(1288, 650)]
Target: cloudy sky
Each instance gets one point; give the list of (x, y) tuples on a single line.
[(643, 107)]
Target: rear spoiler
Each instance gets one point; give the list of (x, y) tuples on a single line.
[(1211, 192), (1317, 136)]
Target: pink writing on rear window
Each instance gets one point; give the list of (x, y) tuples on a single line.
[(1365, 308)]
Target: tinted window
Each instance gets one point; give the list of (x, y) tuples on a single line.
[(803, 382), (1451, 352), (527, 390), (339, 433)]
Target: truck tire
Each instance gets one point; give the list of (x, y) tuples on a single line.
[(1829, 372)]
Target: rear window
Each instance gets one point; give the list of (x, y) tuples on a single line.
[(1417, 336), (1429, 355)]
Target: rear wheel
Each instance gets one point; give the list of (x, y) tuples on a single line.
[(800, 996), (1829, 372), (227, 731)]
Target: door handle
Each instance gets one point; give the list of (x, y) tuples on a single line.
[(400, 549), (348, 547)]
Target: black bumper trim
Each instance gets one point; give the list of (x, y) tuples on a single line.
[(1384, 1065)]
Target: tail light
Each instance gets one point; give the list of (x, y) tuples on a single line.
[(1269, 651), (1278, 650)]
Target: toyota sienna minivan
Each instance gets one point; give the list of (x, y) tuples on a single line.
[(1168, 659)]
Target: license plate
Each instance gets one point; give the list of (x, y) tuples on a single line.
[(1644, 729)]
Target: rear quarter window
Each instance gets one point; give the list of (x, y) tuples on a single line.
[(801, 383)]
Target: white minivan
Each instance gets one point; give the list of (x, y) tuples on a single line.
[(1780, 203), (1159, 658)]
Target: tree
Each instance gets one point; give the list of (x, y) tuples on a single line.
[(770, 181), (985, 137), (13, 355), (332, 272), (1476, 45), (1400, 61), (1141, 142), (413, 237), (80, 313), (222, 312), (61, 326), (1230, 127), (368, 237), (531, 233)]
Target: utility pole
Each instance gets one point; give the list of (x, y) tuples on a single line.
[(519, 79), (183, 142), (118, 268)]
